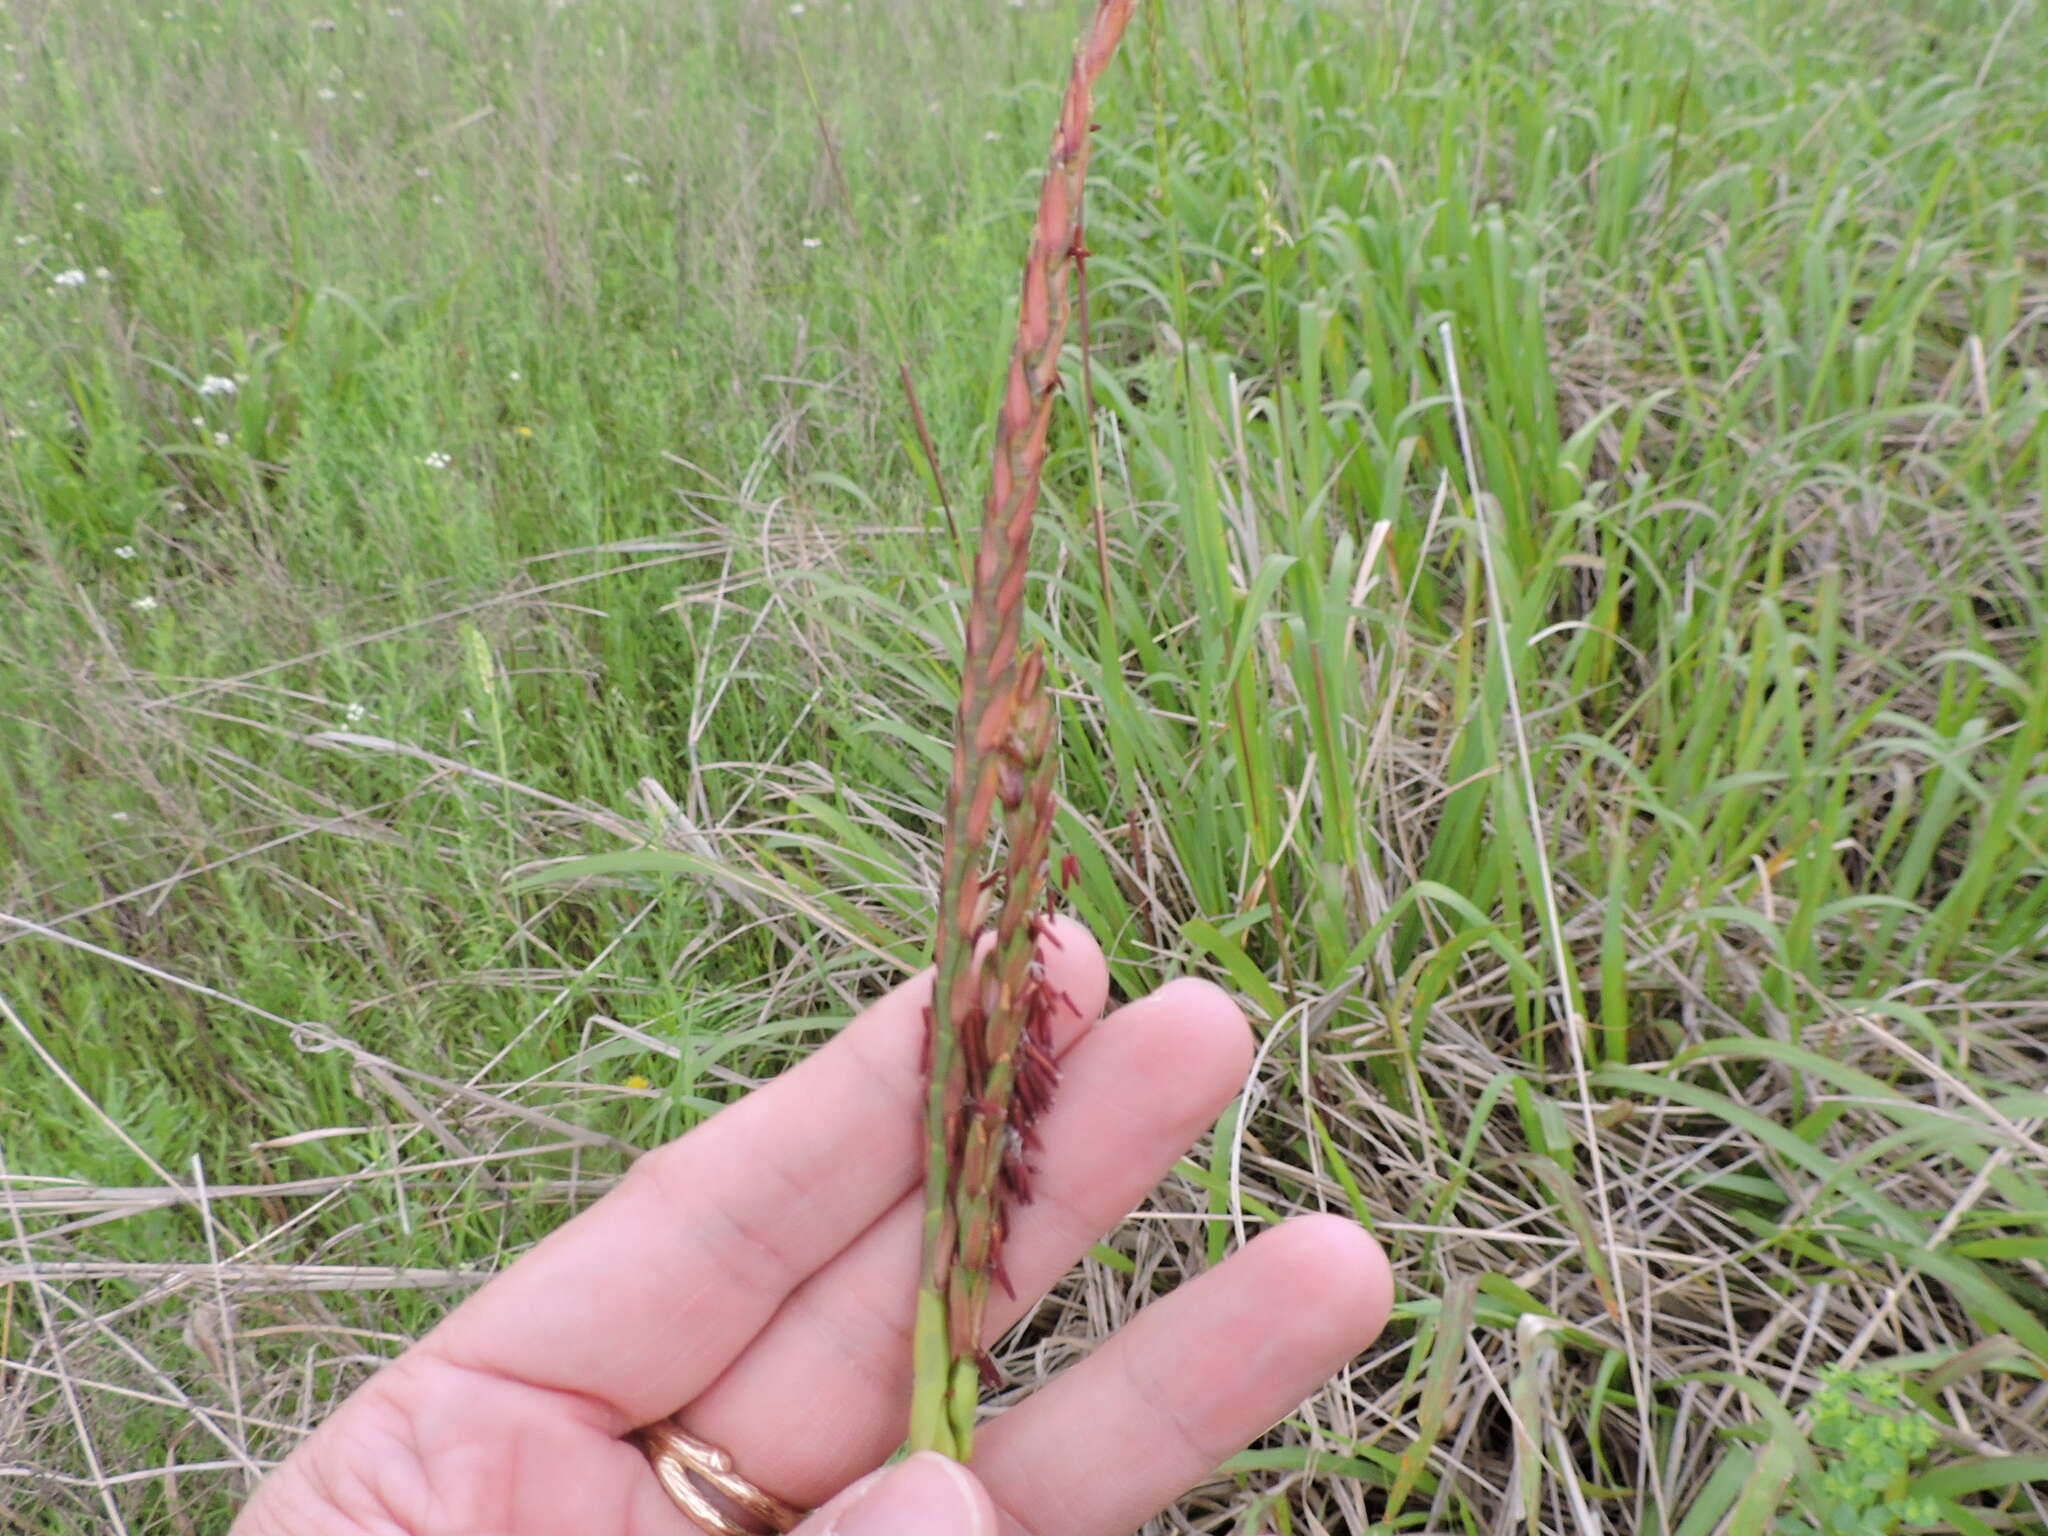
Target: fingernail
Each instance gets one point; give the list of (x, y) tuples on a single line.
[(928, 1495)]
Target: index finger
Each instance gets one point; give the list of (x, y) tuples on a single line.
[(641, 1302)]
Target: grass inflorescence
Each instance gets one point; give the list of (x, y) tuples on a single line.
[(991, 1067)]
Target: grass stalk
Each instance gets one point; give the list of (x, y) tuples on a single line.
[(991, 1068)]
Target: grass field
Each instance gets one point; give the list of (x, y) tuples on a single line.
[(451, 438)]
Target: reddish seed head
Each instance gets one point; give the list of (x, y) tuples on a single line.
[(996, 1004)]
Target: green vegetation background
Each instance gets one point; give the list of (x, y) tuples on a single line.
[(425, 424)]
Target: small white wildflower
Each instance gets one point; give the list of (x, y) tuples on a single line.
[(118, 816), (357, 96), (634, 178), (437, 460), (916, 198), (991, 136), (70, 277), (797, 9), (197, 421), (1016, 5), (78, 207), (327, 93), (438, 199), (156, 191), (102, 273), (1258, 253), (812, 242), (514, 375), (144, 604), (354, 714), (24, 239), (220, 439), (214, 384), (16, 434), (422, 172), (125, 552)]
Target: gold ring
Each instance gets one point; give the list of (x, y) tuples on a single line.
[(685, 1464)]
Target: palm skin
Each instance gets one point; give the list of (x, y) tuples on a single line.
[(758, 1274)]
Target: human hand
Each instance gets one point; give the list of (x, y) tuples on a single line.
[(758, 1274)]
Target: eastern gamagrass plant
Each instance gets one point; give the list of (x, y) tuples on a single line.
[(991, 1066)]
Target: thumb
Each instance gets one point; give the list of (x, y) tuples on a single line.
[(927, 1495)]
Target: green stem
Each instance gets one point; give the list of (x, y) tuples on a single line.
[(931, 1417)]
